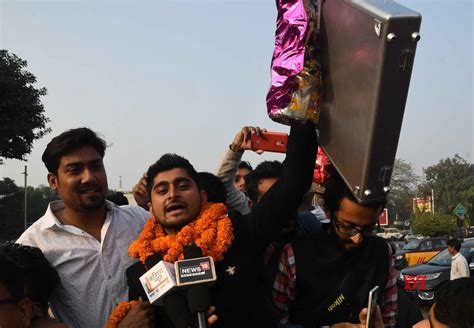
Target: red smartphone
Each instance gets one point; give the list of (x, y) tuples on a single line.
[(270, 141)]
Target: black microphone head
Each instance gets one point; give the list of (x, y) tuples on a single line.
[(152, 260), (199, 298), (192, 251), (177, 309)]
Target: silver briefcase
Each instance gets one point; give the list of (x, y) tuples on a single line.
[(367, 53)]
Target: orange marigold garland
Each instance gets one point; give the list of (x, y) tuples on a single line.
[(119, 313), (212, 232)]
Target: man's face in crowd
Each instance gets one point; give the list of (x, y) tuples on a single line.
[(431, 322), (81, 179), (239, 181), (263, 186), (14, 314), (175, 199), (451, 250), (353, 215)]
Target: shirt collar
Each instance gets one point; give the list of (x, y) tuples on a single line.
[(455, 256), (51, 220)]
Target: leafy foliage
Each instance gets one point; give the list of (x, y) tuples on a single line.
[(21, 110), (439, 224), (452, 181), (402, 190), (12, 202)]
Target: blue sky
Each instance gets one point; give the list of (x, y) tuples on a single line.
[(185, 76)]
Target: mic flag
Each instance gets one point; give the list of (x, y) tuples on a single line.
[(195, 268), (159, 280)]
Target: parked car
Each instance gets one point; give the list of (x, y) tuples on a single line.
[(391, 234), (419, 251), (399, 244), (434, 272)]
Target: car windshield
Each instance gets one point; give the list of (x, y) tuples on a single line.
[(444, 258), (398, 245), (412, 245)]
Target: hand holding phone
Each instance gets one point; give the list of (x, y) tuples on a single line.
[(270, 141)]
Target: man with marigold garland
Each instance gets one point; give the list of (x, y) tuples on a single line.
[(181, 215)]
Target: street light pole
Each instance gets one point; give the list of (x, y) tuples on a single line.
[(432, 202), (26, 196)]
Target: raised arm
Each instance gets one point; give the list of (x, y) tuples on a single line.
[(226, 172), (282, 200)]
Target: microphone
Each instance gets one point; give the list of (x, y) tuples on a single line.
[(177, 309), (159, 279), (156, 283), (152, 260), (199, 295)]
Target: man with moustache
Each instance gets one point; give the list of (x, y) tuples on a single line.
[(182, 215), (84, 236), (325, 278)]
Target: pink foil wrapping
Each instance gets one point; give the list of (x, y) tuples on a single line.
[(295, 71), (323, 168)]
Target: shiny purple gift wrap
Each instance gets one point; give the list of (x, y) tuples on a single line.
[(296, 72)]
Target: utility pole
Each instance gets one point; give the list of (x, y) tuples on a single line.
[(120, 183), (432, 202), (26, 196)]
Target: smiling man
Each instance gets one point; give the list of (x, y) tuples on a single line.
[(325, 278), (83, 236)]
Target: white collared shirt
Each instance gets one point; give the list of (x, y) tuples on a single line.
[(92, 272), (459, 267)]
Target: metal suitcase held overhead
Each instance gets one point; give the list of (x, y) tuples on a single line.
[(367, 53)]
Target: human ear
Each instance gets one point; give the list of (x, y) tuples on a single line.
[(53, 180), (203, 196), (26, 310)]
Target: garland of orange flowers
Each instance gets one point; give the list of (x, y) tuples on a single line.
[(119, 313), (212, 232)]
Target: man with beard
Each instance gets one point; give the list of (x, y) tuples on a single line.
[(182, 216), (325, 278), (83, 236)]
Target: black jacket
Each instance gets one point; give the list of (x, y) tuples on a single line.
[(322, 264), (238, 297)]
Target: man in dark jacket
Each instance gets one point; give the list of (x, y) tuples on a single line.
[(180, 209), (325, 278)]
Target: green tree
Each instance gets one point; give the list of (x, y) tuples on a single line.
[(7, 187), (402, 190), (21, 110), (10, 210), (468, 201), (12, 202), (451, 180), (429, 225)]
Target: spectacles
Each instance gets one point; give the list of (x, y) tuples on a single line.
[(350, 231)]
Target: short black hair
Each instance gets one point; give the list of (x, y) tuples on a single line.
[(69, 141), (36, 275), (168, 162), (245, 165), (213, 186), (454, 243), (454, 303), (117, 197), (264, 170), (12, 278), (335, 189)]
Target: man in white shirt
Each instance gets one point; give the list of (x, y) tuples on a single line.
[(83, 236), (459, 265)]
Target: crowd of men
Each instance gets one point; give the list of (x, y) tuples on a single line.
[(279, 260)]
